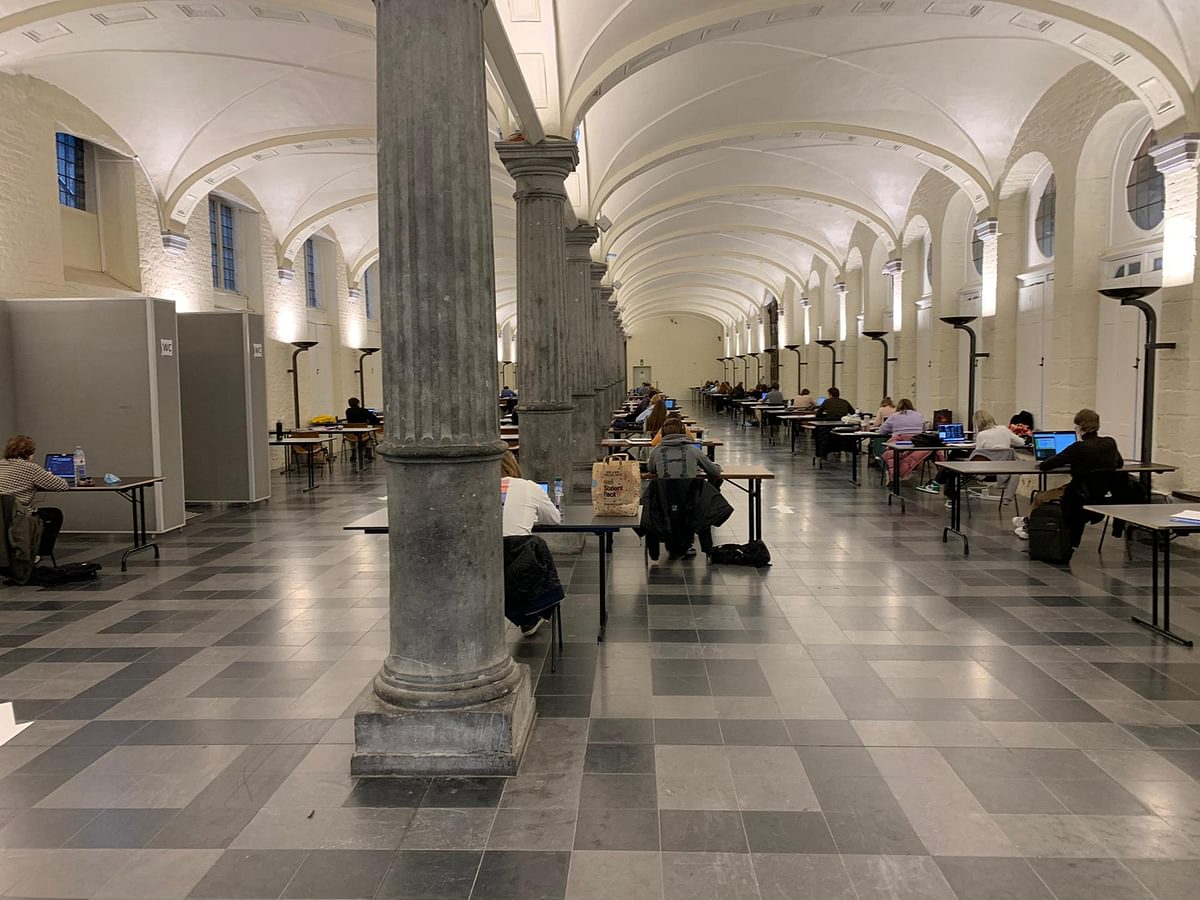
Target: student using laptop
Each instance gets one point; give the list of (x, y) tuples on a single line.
[(658, 435), (1089, 456), (527, 503), (904, 421), (803, 401), (774, 396), (21, 477)]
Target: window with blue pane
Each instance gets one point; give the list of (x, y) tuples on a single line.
[(72, 170), (369, 294), (222, 236), (310, 275)]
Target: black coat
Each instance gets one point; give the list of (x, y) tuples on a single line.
[(531, 583), (674, 507)]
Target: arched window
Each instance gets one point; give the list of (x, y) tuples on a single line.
[(929, 263), (1043, 222), (1145, 195), (976, 249)]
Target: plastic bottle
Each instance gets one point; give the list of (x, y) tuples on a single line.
[(278, 430), (558, 493), (80, 466)]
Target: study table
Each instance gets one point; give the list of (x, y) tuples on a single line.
[(577, 518), (1155, 518), (899, 448), (612, 445), (310, 442), (964, 469), (132, 489), (332, 432)]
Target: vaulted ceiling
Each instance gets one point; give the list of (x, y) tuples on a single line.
[(730, 142)]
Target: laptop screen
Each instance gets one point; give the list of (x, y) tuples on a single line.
[(1049, 443), (670, 404), (544, 485), (61, 464), (952, 432)]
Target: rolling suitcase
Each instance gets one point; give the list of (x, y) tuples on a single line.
[(1049, 539)]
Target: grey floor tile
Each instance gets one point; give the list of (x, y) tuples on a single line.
[(430, 875), (609, 875), (708, 876), (897, 878), (617, 829), (798, 876), (788, 832), (339, 874), (249, 874), (522, 875), (992, 878), (1090, 879), (618, 792), (702, 831)]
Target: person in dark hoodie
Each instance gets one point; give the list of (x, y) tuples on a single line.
[(676, 460)]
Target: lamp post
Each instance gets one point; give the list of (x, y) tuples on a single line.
[(757, 369), (746, 370), (362, 391), (795, 348), (962, 323), (301, 347), (832, 349), (1136, 297), (880, 336), (724, 361)]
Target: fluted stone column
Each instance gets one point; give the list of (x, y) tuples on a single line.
[(604, 406), (615, 351), (581, 338), (449, 698), (545, 399)]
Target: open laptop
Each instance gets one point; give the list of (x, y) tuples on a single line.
[(952, 433), (670, 404), (62, 465), (1049, 443), (544, 485)]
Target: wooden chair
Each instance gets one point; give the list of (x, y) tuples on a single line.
[(300, 452)]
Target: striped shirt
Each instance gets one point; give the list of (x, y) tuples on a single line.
[(22, 479)]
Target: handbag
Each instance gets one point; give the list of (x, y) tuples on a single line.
[(616, 486)]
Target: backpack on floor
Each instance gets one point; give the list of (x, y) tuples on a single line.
[(1049, 537), (754, 554), (51, 576)]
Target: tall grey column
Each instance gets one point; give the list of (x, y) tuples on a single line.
[(449, 698), (614, 348), (581, 337), (604, 406), (545, 397)]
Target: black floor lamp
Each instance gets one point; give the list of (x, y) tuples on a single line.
[(881, 337), (962, 323), (757, 369), (746, 369), (301, 347), (832, 349), (795, 348), (362, 391), (724, 361), (1136, 297)]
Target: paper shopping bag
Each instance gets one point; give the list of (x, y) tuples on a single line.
[(616, 486)]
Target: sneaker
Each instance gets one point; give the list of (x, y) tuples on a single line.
[(932, 488), (949, 504), (1021, 533), (531, 630), (691, 551), (1018, 521)]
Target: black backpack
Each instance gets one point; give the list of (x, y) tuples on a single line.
[(754, 554), (1049, 538), (927, 439), (51, 576)]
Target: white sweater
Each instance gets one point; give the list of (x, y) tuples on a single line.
[(998, 437), (526, 505)]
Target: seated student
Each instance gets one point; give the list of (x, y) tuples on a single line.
[(658, 435), (22, 478), (724, 388), (834, 408), (357, 414), (1090, 456), (804, 401), (657, 408), (509, 396), (675, 458), (527, 561), (992, 442), (775, 395), (886, 408), (506, 392), (905, 420), (738, 392)]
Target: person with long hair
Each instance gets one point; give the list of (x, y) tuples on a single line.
[(525, 554), (657, 410)]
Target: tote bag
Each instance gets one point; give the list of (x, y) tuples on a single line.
[(616, 486)]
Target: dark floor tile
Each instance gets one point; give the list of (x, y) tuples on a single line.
[(618, 759), (755, 732), (102, 734), (388, 792), (241, 874), (1097, 798), (788, 832), (430, 875), (339, 875), (1089, 879), (680, 686), (202, 829), (822, 733), (463, 793), (702, 831), (522, 875), (886, 833), (621, 731), (617, 829), (687, 731), (618, 792), (992, 878), (564, 706), (122, 829), (1166, 737)]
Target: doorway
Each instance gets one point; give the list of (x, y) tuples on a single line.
[(641, 375), (1035, 321)]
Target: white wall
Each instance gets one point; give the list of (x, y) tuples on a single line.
[(682, 352)]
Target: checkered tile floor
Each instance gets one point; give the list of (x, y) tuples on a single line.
[(875, 716)]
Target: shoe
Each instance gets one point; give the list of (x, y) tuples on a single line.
[(949, 504), (1018, 521), (1021, 533), (531, 630), (689, 553), (933, 488)]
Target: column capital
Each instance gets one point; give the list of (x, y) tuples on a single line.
[(840, 287), (579, 242), (539, 169), (598, 271), (606, 292), (1177, 155), (986, 230), (893, 267)]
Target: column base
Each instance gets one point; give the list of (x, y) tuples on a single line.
[(488, 739)]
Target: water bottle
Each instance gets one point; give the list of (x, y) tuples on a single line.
[(278, 430), (558, 493), (80, 466)]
